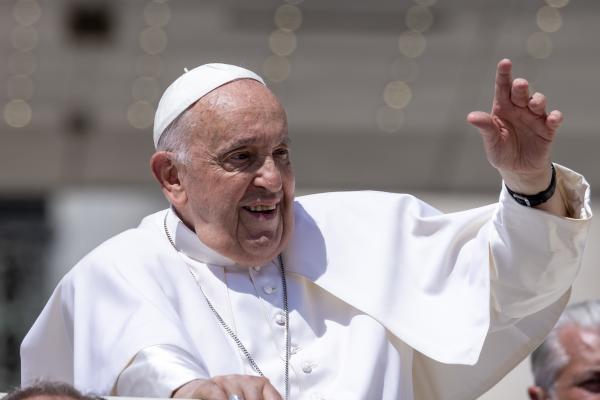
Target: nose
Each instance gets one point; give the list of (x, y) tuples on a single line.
[(268, 176)]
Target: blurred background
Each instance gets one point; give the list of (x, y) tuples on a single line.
[(376, 93)]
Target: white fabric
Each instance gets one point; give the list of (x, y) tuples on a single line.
[(190, 87), (157, 371), (415, 277)]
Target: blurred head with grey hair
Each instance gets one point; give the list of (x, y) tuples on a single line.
[(566, 366)]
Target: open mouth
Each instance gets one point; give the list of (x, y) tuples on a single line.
[(262, 209)]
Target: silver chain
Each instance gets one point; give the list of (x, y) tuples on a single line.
[(230, 331)]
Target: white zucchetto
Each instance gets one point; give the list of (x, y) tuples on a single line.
[(192, 86)]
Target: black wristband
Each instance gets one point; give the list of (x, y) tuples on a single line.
[(532, 200)]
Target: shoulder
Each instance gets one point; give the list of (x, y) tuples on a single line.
[(126, 250), (361, 203)]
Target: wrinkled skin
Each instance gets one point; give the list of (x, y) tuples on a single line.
[(239, 159)]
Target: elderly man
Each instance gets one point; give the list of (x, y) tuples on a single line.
[(566, 366), (238, 291)]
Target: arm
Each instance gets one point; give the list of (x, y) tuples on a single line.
[(169, 371), (533, 256)]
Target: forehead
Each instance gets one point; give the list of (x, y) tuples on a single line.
[(582, 344), (240, 111)]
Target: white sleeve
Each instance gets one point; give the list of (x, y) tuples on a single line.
[(534, 257), (533, 262), (157, 371)]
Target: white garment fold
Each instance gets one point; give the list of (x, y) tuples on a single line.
[(426, 278)]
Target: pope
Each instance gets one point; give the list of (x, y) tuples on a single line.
[(240, 291)]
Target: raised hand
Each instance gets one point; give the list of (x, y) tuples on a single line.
[(518, 134)]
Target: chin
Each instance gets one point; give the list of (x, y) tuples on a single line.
[(258, 251)]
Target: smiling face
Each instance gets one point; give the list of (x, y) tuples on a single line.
[(580, 378), (239, 184)]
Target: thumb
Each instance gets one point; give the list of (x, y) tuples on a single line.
[(483, 121)]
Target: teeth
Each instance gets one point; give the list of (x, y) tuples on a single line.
[(261, 208)]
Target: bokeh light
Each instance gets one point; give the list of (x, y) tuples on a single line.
[(557, 3), (426, 3), (27, 12), (412, 44), (24, 38), (157, 14), (282, 43), (549, 19), (153, 40), (276, 68), (140, 114), (288, 17), (419, 18), (397, 94), (17, 113)]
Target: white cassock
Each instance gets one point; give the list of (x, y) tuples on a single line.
[(388, 299)]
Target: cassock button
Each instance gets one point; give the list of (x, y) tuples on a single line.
[(307, 367), (269, 289), (294, 348), (280, 319)]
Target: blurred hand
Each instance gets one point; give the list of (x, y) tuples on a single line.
[(247, 387)]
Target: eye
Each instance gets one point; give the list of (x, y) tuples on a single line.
[(237, 160), (282, 154), (239, 156)]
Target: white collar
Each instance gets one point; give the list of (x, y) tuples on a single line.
[(188, 243)]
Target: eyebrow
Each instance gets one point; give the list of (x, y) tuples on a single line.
[(250, 140)]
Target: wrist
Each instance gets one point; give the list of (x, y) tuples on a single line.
[(529, 183), (537, 198)]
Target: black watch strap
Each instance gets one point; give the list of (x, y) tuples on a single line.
[(532, 200)]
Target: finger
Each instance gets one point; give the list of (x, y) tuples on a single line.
[(210, 391), (246, 387), (483, 121), (503, 81), (537, 104), (236, 390), (519, 93), (554, 120), (270, 393)]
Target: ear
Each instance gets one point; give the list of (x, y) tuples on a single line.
[(167, 173), (536, 393)]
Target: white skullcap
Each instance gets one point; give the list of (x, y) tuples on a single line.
[(192, 86)]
